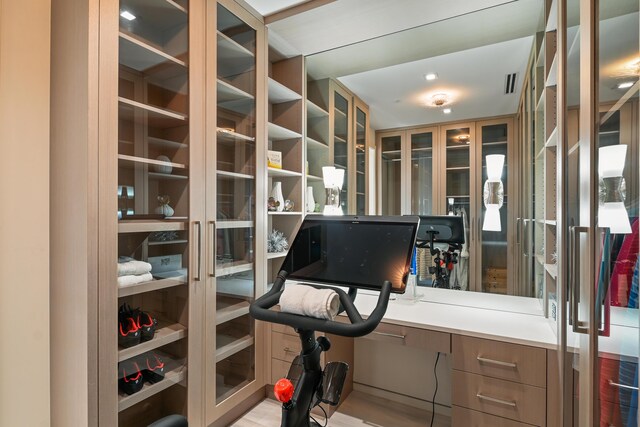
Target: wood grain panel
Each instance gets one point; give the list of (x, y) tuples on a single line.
[(470, 418), (412, 337)]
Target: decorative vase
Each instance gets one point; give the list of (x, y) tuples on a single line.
[(276, 193), (166, 168), (164, 208), (311, 203)]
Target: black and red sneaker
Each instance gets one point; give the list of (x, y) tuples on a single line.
[(153, 368), (146, 323), (130, 378), (128, 330)]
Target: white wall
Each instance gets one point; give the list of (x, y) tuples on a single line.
[(24, 217)]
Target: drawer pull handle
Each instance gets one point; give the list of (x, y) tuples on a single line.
[(494, 400), (384, 334), (288, 350), (496, 362), (623, 386)]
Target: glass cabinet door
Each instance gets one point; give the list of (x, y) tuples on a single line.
[(341, 144), (361, 135), (234, 229), (494, 254), (390, 167), (423, 179), (153, 208)]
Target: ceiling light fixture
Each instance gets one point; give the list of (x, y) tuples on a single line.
[(463, 139), (127, 15), (447, 111), (625, 85), (431, 76), (439, 99)]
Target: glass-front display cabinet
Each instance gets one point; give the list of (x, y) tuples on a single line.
[(231, 335), (389, 148), (153, 183), (342, 141), (361, 135)]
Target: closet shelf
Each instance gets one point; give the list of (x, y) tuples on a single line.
[(552, 269), (166, 176), (279, 93), (168, 242), (231, 136), (227, 224), (233, 175), (164, 335), (234, 99), (167, 13), (552, 141), (274, 255), (283, 172), (165, 143), (233, 268), (153, 285), (279, 133), (227, 346), (228, 309), (233, 58), (144, 226), (313, 144), (283, 213), (315, 111), (175, 376), (134, 159), (140, 55), (314, 178), (552, 76), (155, 117), (338, 138)]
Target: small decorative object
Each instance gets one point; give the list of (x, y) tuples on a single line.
[(276, 193), (277, 242), (164, 208), (554, 257), (317, 208), (311, 202), (274, 159), (272, 204), (288, 205), (493, 193), (163, 236), (163, 168), (333, 180)]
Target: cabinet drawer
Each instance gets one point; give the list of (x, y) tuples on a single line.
[(283, 329), (279, 369), (412, 337), (284, 347), (519, 402), (469, 418), (513, 362)]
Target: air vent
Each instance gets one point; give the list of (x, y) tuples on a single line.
[(510, 84)]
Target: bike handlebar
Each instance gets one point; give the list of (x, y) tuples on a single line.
[(260, 310)]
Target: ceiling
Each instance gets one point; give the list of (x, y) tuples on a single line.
[(267, 7)]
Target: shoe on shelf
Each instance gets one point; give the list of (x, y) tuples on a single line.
[(153, 368), (146, 323), (130, 378), (129, 332)]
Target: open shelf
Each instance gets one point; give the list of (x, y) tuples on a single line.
[(140, 55), (233, 175), (227, 346), (315, 144), (233, 58), (153, 285), (313, 178), (552, 78), (175, 376), (234, 99), (283, 172), (284, 213), (148, 226), (164, 335), (314, 111), (552, 269), (278, 133), (233, 268), (279, 93), (552, 141), (156, 117)]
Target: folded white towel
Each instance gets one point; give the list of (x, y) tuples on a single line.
[(309, 301), (134, 280), (133, 268)]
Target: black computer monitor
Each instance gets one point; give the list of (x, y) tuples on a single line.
[(445, 229), (355, 251)]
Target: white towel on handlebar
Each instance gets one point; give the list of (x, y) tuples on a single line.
[(309, 301)]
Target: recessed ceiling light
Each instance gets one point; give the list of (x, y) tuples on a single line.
[(127, 15), (431, 76), (625, 85), (447, 111)]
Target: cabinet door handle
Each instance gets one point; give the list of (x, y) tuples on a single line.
[(496, 362), (606, 326), (495, 400), (288, 350), (385, 334), (199, 269), (574, 291), (623, 386), (212, 244)]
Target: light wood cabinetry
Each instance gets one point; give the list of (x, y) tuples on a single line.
[(494, 379)]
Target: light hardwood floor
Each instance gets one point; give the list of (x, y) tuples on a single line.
[(359, 409)]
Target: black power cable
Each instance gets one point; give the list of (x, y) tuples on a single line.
[(433, 401)]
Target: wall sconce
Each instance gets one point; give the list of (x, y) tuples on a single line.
[(493, 193), (333, 180), (611, 211)]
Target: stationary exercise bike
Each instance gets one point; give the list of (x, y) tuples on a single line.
[(357, 252)]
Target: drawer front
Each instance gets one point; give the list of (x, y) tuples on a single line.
[(469, 418), (283, 329), (513, 362), (284, 347), (519, 402), (412, 337), (279, 369)]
